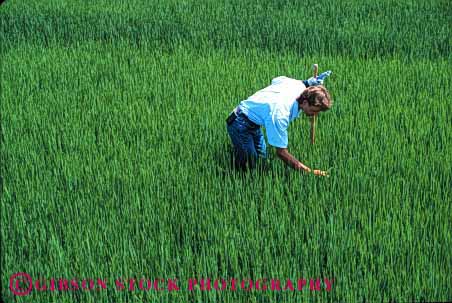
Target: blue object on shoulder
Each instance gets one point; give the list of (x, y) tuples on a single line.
[(319, 80)]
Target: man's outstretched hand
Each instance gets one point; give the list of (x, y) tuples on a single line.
[(317, 172), (319, 80)]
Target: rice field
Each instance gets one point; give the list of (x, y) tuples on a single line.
[(115, 160)]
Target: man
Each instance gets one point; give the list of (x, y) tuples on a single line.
[(274, 107)]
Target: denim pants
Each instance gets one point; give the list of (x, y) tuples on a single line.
[(248, 141)]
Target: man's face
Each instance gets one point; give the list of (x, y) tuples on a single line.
[(311, 110)]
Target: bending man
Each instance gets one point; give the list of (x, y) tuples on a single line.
[(274, 107)]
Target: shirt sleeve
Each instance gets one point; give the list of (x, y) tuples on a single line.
[(276, 128)]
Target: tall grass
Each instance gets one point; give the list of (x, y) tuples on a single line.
[(115, 156)]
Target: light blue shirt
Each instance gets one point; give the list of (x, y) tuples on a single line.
[(274, 107)]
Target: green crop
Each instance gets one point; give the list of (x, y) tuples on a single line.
[(115, 160)]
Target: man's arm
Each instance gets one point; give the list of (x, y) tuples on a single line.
[(290, 160)]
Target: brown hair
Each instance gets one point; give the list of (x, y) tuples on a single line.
[(317, 96)]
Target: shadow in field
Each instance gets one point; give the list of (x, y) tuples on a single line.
[(223, 158), (224, 166), (268, 172)]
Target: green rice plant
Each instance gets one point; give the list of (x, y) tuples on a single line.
[(115, 161)]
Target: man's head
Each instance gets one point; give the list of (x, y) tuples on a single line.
[(315, 99)]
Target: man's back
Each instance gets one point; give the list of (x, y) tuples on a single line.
[(282, 89), (277, 98)]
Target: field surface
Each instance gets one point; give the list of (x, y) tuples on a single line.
[(115, 160)]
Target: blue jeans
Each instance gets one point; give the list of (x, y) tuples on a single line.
[(248, 141)]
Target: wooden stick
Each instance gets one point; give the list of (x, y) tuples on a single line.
[(313, 118), (313, 129)]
